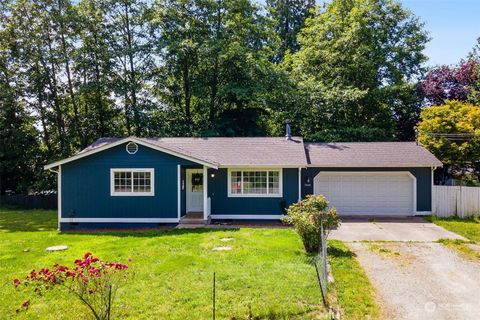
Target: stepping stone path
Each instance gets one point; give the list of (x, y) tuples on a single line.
[(222, 248), (226, 239), (57, 248)]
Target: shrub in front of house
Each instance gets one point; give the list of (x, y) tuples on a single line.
[(307, 215), (93, 281)]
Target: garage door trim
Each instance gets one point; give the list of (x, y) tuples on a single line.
[(371, 173)]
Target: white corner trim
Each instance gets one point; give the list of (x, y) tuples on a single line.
[(59, 195), (119, 220), (247, 216), (113, 193), (179, 181), (376, 173), (126, 140), (232, 195), (433, 205), (205, 193)]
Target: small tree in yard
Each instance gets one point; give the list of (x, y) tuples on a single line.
[(93, 281), (307, 215)]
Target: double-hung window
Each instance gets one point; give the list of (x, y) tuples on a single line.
[(132, 182), (254, 183)]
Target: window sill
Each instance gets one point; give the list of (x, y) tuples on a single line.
[(133, 194), (255, 196)]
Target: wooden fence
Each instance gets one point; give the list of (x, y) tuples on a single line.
[(456, 201), (30, 201)]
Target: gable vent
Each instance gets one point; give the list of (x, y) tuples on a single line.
[(132, 148)]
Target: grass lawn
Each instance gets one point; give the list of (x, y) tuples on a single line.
[(469, 228), (265, 276)]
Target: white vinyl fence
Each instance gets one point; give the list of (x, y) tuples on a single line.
[(456, 201)]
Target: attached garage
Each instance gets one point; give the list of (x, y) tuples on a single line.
[(371, 178), (368, 193)]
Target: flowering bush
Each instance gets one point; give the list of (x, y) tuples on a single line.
[(307, 215), (93, 281)]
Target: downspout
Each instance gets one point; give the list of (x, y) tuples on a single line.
[(432, 185)]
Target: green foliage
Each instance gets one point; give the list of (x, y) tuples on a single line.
[(354, 64), (307, 216), (74, 71), (289, 18), (459, 154)]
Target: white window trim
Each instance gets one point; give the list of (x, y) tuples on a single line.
[(132, 194), (241, 195)]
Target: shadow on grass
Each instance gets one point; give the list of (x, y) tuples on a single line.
[(340, 252), (271, 315), (26, 220)]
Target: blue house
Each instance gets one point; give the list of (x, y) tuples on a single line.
[(145, 182)]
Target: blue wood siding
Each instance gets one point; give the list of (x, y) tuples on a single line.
[(423, 175), (222, 204), (86, 185)]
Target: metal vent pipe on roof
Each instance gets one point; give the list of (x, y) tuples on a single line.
[(288, 131)]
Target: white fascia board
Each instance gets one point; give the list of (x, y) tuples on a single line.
[(130, 139), (332, 165), (262, 166)]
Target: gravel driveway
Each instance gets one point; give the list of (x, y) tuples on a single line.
[(421, 280), (415, 277)]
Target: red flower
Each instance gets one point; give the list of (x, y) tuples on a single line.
[(16, 282)]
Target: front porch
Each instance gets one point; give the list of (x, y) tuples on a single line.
[(193, 200)]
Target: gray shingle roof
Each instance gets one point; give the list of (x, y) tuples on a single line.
[(224, 151), (369, 154)]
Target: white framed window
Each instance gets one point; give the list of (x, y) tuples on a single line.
[(132, 182), (255, 183)]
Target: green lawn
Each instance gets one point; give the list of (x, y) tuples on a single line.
[(469, 228), (265, 276)]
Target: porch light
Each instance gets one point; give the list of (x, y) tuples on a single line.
[(212, 175), (307, 180)]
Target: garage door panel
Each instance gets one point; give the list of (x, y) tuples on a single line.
[(367, 193)]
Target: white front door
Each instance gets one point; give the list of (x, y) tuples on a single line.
[(368, 193), (194, 190)]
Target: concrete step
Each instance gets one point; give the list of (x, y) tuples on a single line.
[(191, 221)]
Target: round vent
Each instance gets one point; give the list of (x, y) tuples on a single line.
[(132, 148)]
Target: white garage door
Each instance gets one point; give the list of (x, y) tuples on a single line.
[(368, 193)]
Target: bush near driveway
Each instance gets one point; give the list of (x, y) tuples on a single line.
[(307, 215)]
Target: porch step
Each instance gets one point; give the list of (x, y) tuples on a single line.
[(191, 221), (192, 218)]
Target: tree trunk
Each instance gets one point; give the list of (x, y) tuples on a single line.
[(132, 72), (186, 89), (76, 119)]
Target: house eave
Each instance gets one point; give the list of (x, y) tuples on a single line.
[(122, 141), (359, 165)]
